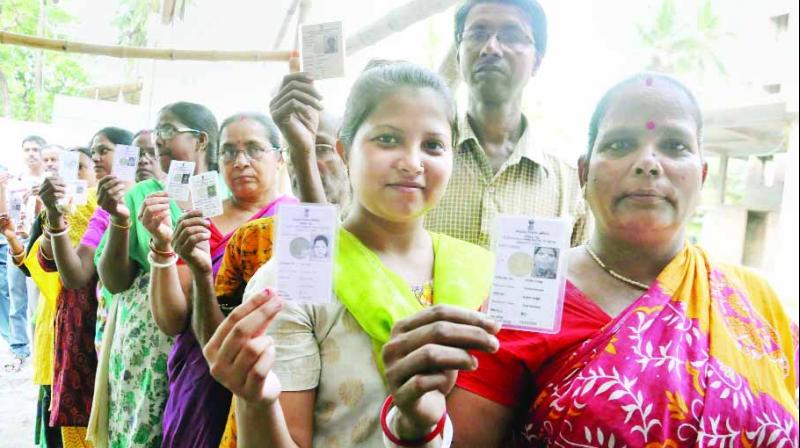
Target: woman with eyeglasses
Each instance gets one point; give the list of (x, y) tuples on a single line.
[(132, 385), (250, 160)]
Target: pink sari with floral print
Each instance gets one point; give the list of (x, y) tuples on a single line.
[(706, 357)]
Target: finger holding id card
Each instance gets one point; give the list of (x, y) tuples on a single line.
[(530, 272), (305, 244)]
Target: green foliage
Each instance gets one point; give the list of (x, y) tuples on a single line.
[(61, 73), (680, 46), (131, 21)]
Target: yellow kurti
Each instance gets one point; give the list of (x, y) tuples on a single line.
[(44, 333)]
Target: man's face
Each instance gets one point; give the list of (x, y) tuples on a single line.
[(497, 54), (331, 167), (32, 153), (50, 161)]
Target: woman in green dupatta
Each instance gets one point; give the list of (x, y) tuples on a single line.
[(128, 407), (323, 361)]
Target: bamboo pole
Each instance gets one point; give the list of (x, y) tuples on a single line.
[(118, 51), (395, 20)]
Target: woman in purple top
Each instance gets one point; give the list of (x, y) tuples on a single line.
[(76, 265), (250, 159)]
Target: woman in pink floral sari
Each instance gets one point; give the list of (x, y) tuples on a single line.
[(660, 345)]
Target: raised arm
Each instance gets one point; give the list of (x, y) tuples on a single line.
[(115, 267), (295, 111), (16, 250), (191, 242), (75, 264), (170, 284)]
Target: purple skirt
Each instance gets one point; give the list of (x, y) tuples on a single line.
[(197, 406)]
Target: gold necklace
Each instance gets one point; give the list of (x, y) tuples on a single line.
[(619, 277)]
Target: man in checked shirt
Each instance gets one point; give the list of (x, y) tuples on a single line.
[(497, 167)]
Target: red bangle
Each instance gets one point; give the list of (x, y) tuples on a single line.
[(160, 252), (400, 442)]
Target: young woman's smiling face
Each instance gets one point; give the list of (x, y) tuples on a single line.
[(401, 157)]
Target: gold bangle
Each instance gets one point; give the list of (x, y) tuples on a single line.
[(41, 252), (119, 226), (61, 232), (20, 254), (160, 252), (49, 229)]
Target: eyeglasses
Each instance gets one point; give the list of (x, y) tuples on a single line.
[(252, 152), (168, 131), (512, 38)]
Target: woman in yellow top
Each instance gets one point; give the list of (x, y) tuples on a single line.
[(62, 359)]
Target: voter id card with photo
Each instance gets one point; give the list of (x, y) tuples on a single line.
[(305, 244), (206, 194), (178, 177), (322, 48), (530, 272)]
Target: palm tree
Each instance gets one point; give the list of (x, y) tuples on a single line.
[(677, 47)]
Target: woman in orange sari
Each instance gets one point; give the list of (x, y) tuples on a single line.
[(660, 344)]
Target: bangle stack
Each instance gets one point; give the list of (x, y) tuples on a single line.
[(173, 260), (173, 257), (57, 232), (444, 428), (17, 258)]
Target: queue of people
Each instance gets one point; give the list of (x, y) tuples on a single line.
[(156, 326)]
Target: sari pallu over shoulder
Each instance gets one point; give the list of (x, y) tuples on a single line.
[(705, 357), (198, 406)]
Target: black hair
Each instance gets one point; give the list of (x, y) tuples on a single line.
[(199, 117), (36, 139), (272, 132), (117, 136), (532, 8), (322, 238), (602, 106), (381, 79)]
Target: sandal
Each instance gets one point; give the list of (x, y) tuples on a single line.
[(15, 365)]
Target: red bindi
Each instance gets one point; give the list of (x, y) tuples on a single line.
[(650, 125)]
